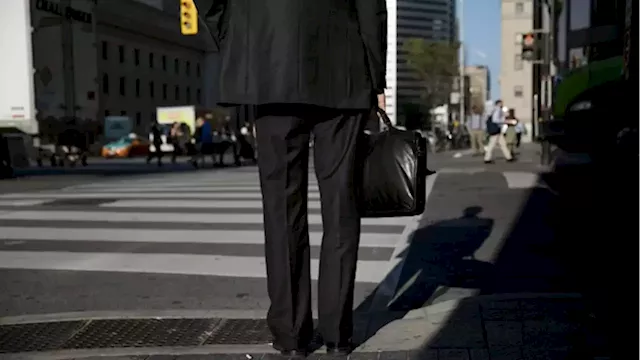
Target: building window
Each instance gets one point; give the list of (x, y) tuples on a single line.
[(105, 50), (197, 69), (152, 89), (164, 62), (138, 118), (187, 68), (519, 8), (580, 14), (105, 83), (517, 63), (121, 53), (151, 60), (137, 87), (176, 66), (164, 91), (176, 92), (188, 94), (123, 84), (199, 96), (136, 56), (518, 91)]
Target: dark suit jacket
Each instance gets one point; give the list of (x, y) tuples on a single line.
[(329, 53)]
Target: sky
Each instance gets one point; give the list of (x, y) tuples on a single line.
[(481, 19)]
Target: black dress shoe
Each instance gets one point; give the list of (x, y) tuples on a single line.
[(294, 354), (339, 350), (291, 353)]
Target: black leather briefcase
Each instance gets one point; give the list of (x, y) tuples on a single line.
[(393, 177)]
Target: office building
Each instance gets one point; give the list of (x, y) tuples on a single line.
[(479, 81), (64, 60), (425, 19), (144, 62), (516, 75), (117, 57)]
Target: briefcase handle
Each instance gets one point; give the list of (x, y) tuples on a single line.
[(385, 118)]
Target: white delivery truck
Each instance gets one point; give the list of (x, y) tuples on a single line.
[(18, 124)]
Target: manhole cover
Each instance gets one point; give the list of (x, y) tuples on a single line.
[(100, 334), (79, 202), (36, 337)]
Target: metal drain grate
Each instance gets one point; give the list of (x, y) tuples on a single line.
[(139, 333), (36, 337), (131, 333), (240, 331)]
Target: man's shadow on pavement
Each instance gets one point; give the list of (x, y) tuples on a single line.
[(440, 254)]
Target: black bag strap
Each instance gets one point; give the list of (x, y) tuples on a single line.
[(385, 118)]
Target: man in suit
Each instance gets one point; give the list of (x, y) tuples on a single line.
[(310, 67)]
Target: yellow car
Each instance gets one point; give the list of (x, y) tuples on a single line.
[(125, 147)]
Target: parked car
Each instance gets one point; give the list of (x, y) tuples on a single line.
[(127, 146)]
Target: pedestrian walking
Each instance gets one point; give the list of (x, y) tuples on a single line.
[(156, 134), (520, 130), (495, 122), (198, 154), (310, 67), (476, 127), (510, 135), (176, 139)]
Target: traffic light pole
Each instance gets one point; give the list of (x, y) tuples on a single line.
[(545, 151)]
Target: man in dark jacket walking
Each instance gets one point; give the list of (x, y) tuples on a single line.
[(311, 67)]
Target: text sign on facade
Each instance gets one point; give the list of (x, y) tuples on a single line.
[(68, 12)]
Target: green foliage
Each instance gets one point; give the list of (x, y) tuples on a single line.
[(436, 65)]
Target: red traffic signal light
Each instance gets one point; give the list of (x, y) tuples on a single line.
[(528, 46)]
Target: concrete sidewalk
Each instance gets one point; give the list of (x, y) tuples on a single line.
[(502, 327)]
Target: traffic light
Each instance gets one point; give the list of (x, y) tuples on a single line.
[(528, 46), (188, 17)]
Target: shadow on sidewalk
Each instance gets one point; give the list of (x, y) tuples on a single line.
[(569, 238), (440, 254)]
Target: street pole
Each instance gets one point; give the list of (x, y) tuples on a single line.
[(68, 63), (548, 81), (461, 65)]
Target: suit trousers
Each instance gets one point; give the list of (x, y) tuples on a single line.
[(283, 134)]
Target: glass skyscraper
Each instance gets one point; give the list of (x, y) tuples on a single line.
[(425, 19)]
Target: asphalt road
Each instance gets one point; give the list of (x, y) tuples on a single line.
[(178, 238), (174, 239)]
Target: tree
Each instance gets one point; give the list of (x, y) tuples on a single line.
[(436, 65)]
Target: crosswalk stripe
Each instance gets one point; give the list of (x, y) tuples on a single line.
[(521, 180), (192, 204), (213, 265), (15, 233), (167, 217), (253, 188), (22, 202), (139, 195), (116, 231)]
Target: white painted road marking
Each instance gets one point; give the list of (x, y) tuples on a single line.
[(213, 265), (203, 218), (193, 204), (169, 236)]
